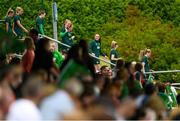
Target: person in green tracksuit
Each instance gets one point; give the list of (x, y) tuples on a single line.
[(95, 50), (114, 56), (18, 27), (40, 22), (66, 35), (9, 22), (58, 58), (145, 60)]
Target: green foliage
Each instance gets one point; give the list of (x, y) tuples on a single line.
[(166, 10), (134, 24)]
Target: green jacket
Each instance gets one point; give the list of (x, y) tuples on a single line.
[(95, 47), (40, 25), (58, 58), (146, 61), (9, 21), (116, 55), (17, 29), (66, 38), (165, 100)]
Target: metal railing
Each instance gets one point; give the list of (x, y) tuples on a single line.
[(159, 72), (106, 61)]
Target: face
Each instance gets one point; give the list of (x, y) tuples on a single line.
[(52, 46), (149, 54), (21, 12), (11, 14), (97, 37), (106, 72), (116, 46), (43, 15), (68, 25), (33, 36), (15, 76)]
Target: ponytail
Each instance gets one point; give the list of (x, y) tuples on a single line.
[(141, 55)]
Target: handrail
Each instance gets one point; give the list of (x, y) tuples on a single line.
[(158, 72), (69, 47)]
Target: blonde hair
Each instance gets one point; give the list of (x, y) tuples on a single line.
[(18, 9), (10, 10), (67, 21), (147, 51), (143, 52), (113, 44)]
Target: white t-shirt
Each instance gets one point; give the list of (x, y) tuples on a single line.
[(24, 109), (56, 106)]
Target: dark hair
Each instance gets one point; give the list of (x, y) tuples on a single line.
[(42, 12), (138, 67), (33, 32), (29, 43), (32, 86), (149, 89), (103, 67), (120, 64), (42, 43), (4, 71)]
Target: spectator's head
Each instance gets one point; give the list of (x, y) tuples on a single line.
[(97, 37), (129, 67), (88, 96), (29, 43), (148, 52), (42, 13), (33, 33), (19, 11), (156, 104), (127, 108), (120, 64), (10, 12), (138, 67), (106, 71), (52, 46), (44, 44), (67, 24), (33, 88), (161, 87), (150, 89), (74, 87), (114, 44), (15, 75)]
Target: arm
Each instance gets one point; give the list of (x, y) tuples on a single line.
[(113, 57), (143, 67), (41, 29), (90, 47), (62, 34), (13, 30), (21, 26)]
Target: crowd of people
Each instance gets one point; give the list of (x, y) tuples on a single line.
[(47, 84)]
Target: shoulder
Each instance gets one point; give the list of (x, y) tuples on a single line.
[(16, 17)]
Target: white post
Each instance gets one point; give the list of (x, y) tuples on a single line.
[(54, 20)]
